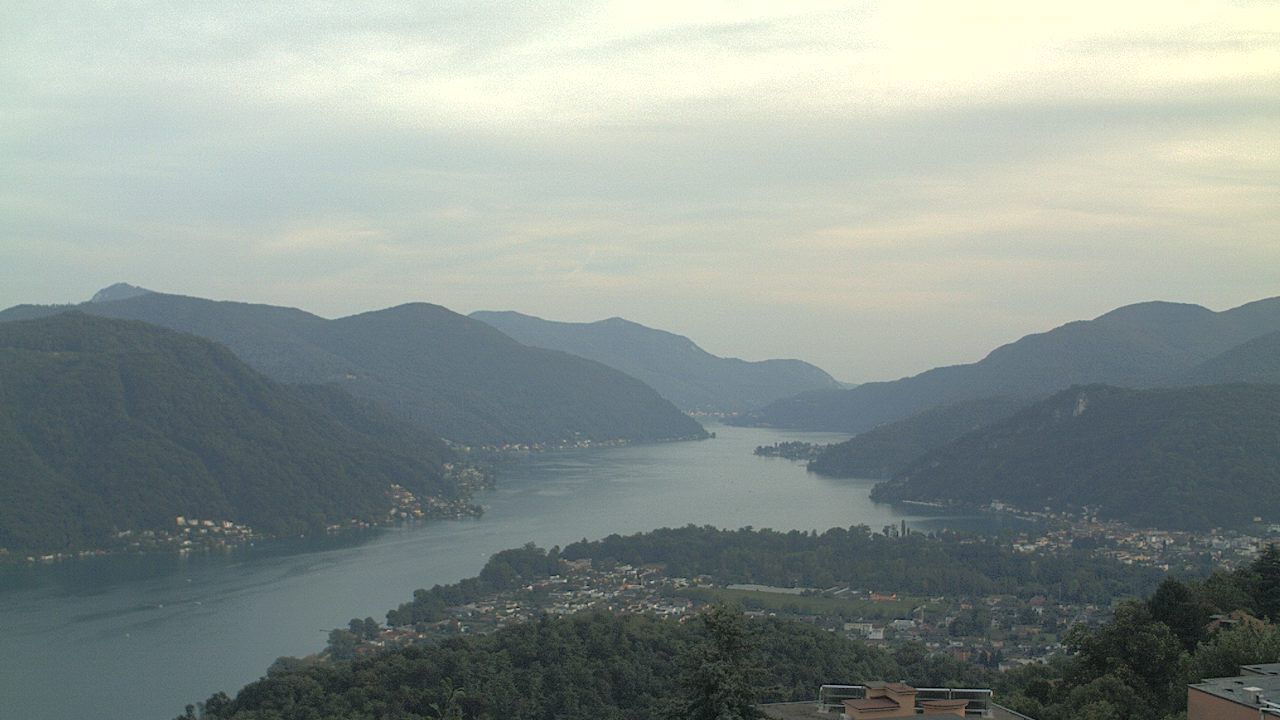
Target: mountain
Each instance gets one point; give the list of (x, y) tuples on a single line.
[(1143, 345), (119, 291), (1256, 361), (888, 449), (110, 425), (457, 376), (1190, 458), (682, 372)]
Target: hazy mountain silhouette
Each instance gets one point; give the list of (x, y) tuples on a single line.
[(1143, 345), (674, 365)]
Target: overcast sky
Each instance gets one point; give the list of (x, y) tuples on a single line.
[(876, 187)]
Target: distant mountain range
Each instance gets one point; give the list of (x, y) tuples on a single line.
[(1190, 458), (682, 372), (110, 425), (1143, 345), (457, 376)]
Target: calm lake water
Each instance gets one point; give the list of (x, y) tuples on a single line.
[(130, 638)]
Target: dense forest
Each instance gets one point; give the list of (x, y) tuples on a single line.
[(586, 666), (110, 426), (1140, 346), (888, 449), (682, 372), (459, 377), (1190, 458)]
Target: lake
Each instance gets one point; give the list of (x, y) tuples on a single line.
[(128, 638)]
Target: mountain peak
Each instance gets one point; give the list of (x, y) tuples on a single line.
[(118, 291)]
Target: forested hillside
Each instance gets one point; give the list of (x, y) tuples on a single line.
[(885, 451), (1191, 458), (110, 425), (1256, 361), (456, 376)]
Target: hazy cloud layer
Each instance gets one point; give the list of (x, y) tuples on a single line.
[(878, 187)]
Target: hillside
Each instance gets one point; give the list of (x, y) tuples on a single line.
[(1256, 361), (109, 425), (458, 376), (888, 449), (1189, 458), (1143, 345), (682, 372)]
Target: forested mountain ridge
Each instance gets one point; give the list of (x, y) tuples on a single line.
[(1189, 458), (682, 372), (886, 450), (1255, 361), (109, 425), (457, 376), (1142, 345)]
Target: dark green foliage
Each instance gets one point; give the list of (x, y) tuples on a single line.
[(946, 564), (888, 449), (589, 666), (1184, 612), (109, 425), (1191, 458), (457, 376), (1134, 649), (720, 676), (673, 365), (1144, 345), (1264, 584), (1137, 665)]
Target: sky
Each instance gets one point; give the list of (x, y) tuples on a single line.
[(876, 187)]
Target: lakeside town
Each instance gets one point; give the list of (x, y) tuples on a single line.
[(997, 631), (193, 535)]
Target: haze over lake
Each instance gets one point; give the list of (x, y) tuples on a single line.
[(139, 637)]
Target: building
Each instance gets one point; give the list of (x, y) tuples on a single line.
[(894, 700), (875, 700), (1254, 694)]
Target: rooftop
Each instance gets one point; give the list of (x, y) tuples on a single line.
[(1241, 688)]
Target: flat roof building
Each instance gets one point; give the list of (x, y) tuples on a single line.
[(1251, 695), (875, 700)]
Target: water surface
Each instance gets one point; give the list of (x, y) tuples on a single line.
[(140, 637)]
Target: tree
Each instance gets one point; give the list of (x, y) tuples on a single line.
[(1266, 583), (1134, 650), (342, 644), (720, 672), (1182, 611), (451, 707)]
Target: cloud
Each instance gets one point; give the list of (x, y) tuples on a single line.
[(887, 187)]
